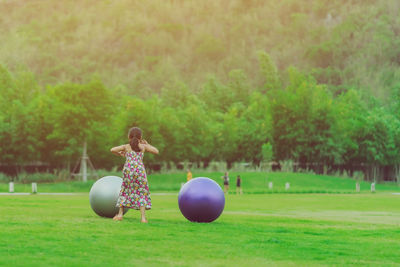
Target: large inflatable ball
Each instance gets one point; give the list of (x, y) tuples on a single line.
[(104, 194), (201, 200)]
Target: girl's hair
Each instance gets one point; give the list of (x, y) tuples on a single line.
[(135, 134)]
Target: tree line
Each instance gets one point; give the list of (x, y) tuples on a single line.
[(289, 117)]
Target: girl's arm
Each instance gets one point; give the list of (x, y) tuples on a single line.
[(119, 150), (149, 148)]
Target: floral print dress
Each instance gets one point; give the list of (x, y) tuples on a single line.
[(135, 189)]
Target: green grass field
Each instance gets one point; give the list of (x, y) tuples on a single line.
[(253, 182), (323, 222), (254, 230)]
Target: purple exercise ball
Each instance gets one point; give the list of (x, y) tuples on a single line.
[(201, 200)]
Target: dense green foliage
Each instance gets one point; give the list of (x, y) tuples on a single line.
[(313, 82), (255, 230), (142, 45)]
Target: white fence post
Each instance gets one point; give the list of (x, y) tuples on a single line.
[(373, 187), (270, 185), (287, 186), (34, 188), (11, 188), (357, 187)]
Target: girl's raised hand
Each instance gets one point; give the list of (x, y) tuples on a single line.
[(143, 142)]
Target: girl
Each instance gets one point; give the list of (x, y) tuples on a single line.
[(134, 192)]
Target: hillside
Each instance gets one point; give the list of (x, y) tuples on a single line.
[(143, 44)]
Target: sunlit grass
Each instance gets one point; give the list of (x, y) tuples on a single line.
[(254, 230)]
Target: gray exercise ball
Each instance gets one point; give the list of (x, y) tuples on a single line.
[(104, 194)]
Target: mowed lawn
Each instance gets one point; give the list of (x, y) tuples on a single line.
[(254, 230)]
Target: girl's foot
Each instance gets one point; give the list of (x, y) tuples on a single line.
[(144, 220), (117, 217)]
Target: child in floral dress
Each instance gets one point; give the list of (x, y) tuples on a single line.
[(134, 192)]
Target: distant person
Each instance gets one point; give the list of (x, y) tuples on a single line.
[(226, 182), (239, 185), (134, 193), (189, 175)]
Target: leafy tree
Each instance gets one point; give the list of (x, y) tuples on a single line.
[(239, 86), (216, 96), (269, 72), (196, 135), (228, 136), (379, 145), (176, 94), (17, 120), (256, 129), (302, 121), (75, 112), (351, 116), (267, 153)]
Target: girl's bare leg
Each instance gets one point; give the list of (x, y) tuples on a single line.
[(143, 214), (119, 215)]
